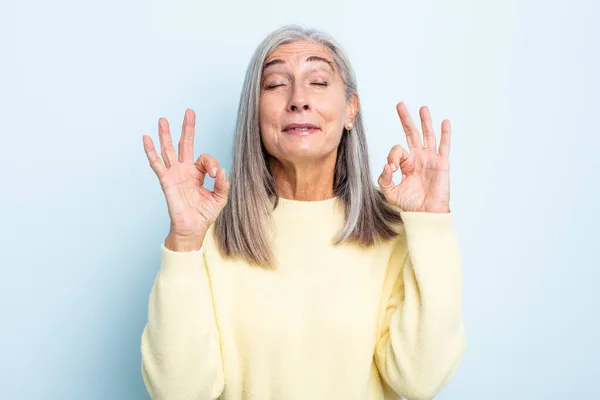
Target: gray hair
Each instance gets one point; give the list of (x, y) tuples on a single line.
[(241, 227)]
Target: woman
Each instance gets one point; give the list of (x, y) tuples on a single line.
[(299, 279)]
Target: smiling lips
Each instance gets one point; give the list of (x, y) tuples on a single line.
[(300, 129)]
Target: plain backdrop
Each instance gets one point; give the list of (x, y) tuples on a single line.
[(83, 216)]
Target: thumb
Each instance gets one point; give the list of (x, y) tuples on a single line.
[(385, 180), (221, 186)]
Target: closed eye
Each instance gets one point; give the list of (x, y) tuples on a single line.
[(320, 83), (274, 86)]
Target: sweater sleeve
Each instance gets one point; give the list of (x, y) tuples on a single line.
[(422, 338), (180, 344)]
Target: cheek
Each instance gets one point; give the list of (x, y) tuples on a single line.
[(268, 112), (332, 112), (269, 116)]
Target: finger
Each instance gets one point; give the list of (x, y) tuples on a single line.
[(155, 162), (166, 143), (429, 141), (397, 155), (445, 138), (221, 188), (413, 138), (385, 181), (207, 164), (186, 142)]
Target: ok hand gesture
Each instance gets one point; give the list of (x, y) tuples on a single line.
[(425, 185), (191, 206)]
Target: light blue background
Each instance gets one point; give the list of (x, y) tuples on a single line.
[(83, 215)]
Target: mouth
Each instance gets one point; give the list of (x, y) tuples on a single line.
[(300, 129)]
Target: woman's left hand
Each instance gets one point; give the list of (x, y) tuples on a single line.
[(425, 185)]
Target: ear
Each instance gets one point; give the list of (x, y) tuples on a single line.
[(353, 107)]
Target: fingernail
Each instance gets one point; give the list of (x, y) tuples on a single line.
[(214, 172), (393, 167), (162, 123)]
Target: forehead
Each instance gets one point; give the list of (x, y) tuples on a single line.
[(299, 51)]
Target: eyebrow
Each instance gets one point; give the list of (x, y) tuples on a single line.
[(309, 59)]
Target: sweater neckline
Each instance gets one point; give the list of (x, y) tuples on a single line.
[(307, 209)]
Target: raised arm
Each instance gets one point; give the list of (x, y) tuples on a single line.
[(181, 357), (422, 335)]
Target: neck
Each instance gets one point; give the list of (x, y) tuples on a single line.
[(310, 181)]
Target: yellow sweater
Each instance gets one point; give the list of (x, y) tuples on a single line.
[(332, 322)]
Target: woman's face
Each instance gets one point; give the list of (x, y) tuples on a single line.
[(303, 108)]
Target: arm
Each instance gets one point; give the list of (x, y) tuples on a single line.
[(422, 339), (181, 357)]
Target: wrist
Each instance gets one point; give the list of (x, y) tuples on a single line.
[(176, 242)]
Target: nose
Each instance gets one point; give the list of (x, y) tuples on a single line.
[(298, 99)]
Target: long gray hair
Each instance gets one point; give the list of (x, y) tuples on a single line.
[(241, 227)]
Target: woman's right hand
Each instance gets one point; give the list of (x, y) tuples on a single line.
[(191, 206)]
